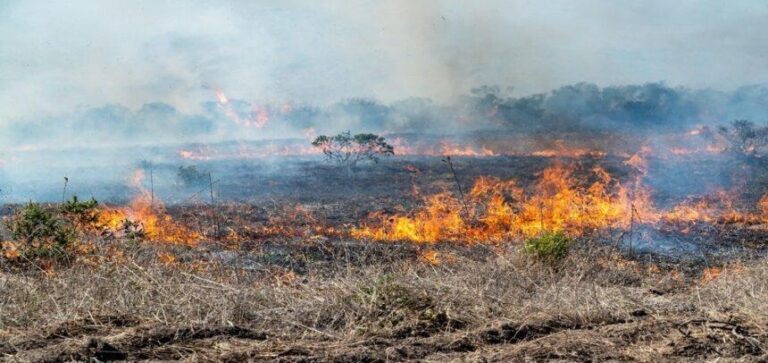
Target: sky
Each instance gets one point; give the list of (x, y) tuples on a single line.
[(59, 56)]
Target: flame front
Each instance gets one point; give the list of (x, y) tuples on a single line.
[(146, 214), (498, 210)]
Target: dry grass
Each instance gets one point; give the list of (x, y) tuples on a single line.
[(357, 300)]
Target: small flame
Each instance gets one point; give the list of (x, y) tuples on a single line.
[(146, 214), (221, 97), (430, 256), (10, 251), (166, 258), (259, 115)]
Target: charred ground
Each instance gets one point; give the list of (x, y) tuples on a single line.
[(275, 275)]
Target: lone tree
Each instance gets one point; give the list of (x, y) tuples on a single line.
[(348, 150), (745, 139)]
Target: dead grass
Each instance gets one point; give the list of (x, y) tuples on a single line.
[(338, 300)]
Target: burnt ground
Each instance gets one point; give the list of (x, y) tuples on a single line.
[(307, 293)]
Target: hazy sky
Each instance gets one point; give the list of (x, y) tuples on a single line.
[(56, 56)]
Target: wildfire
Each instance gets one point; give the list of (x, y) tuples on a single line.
[(715, 207), (257, 117), (449, 148), (145, 215), (194, 155), (561, 150), (439, 148), (497, 210), (442, 148), (713, 273), (221, 97), (246, 152), (430, 257), (697, 141)]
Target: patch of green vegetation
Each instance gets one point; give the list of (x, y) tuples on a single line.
[(549, 247), (40, 232), (81, 213)]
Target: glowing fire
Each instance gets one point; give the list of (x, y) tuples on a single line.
[(221, 97), (146, 215), (442, 148), (561, 150), (243, 152), (194, 155), (498, 210), (439, 148), (430, 257), (258, 116)]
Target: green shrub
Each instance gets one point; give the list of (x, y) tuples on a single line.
[(82, 214), (39, 232), (549, 247)]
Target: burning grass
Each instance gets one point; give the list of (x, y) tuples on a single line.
[(303, 281), (145, 217), (497, 210)]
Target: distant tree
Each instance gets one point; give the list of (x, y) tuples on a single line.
[(347, 150), (745, 139)]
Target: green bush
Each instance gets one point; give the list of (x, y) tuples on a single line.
[(39, 232), (549, 247), (82, 214)]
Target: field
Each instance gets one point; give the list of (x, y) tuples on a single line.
[(296, 261)]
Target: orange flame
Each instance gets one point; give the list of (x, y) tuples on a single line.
[(259, 116), (497, 210), (221, 97), (430, 257), (147, 215)]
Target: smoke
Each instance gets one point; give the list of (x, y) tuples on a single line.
[(117, 82), (583, 107), (57, 57)]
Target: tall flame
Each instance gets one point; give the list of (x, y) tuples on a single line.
[(497, 210)]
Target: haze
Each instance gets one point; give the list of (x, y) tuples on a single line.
[(57, 57)]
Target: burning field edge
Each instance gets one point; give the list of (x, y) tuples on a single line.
[(426, 259)]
